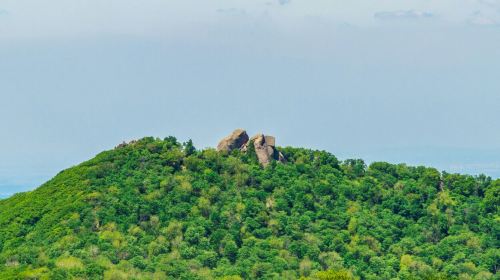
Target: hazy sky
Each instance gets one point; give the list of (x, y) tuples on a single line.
[(400, 81)]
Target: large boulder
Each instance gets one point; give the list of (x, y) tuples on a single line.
[(265, 152), (265, 149), (236, 140), (265, 146)]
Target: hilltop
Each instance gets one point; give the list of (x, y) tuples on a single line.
[(160, 209)]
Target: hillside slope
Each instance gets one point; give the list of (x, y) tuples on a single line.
[(156, 209)]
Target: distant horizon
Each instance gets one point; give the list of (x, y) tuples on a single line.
[(10, 185)]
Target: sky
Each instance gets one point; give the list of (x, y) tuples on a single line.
[(412, 81)]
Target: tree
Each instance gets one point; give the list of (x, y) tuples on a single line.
[(189, 148)]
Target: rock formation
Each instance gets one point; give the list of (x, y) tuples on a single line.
[(236, 140), (265, 146)]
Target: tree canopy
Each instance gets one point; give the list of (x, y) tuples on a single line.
[(159, 209)]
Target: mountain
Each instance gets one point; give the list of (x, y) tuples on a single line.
[(159, 209)]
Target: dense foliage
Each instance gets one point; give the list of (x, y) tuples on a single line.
[(158, 209)]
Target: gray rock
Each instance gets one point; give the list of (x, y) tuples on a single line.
[(265, 149), (281, 157), (236, 140), (270, 140), (265, 146)]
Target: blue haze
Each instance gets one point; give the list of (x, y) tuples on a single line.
[(412, 86)]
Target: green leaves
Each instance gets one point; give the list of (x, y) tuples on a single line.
[(156, 209)]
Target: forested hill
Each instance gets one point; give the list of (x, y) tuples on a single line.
[(158, 209)]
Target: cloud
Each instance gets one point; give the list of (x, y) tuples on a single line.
[(284, 2), (480, 18), (232, 11), (3, 12), (403, 15), (491, 3), (487, 15)]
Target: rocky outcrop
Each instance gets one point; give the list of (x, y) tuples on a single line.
[(236, 140), (265, 146)]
